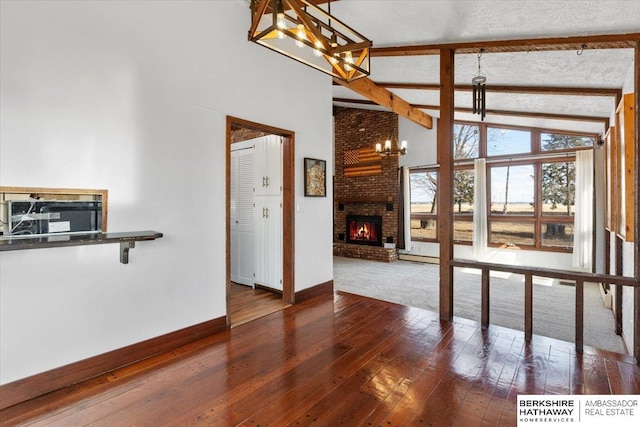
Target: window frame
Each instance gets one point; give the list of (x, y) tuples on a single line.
[(538, 217), (463, 217), (536, 157), (424, 216)]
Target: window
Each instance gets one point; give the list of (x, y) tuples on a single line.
[(558, 188), (502, 141), (558, 204), (556, 141), (463, 188), (533, 204), (530, 180), (508, 233), (512, 190), (424, 185), (466, 141)]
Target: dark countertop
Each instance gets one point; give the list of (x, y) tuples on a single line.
[(61, 240)]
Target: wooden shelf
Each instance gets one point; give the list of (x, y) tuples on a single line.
[(388, 199), (126, 240)]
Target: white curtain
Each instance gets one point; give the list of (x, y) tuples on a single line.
[(480, 208), (406, 178), (583, 220)]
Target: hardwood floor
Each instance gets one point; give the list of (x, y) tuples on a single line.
[(249, 304), (342, 360)]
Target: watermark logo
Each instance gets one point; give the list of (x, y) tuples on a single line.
[(578, 410)]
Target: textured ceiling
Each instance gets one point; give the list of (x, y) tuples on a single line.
[(404, 23)]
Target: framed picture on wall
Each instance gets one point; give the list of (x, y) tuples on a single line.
[(315, 178)]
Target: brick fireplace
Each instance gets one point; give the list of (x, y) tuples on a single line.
[(364, 230), (365, 184)]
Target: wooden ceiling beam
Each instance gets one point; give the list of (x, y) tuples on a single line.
[(537, 90), (608, 41), (568, 117), (383, 97)]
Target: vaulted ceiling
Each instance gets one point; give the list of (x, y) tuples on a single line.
[(568, 81)]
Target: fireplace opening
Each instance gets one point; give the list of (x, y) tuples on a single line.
[(364, 230)]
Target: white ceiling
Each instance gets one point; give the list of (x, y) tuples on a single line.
[(405, 23)]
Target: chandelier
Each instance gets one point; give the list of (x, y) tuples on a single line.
[(400, 148), (304, 32)]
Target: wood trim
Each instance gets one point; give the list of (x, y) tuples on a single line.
[(381, 96), (227, 220), (445, 180), (104, 194), (238, 123), (552, 116), (636, 204), (607, 253), (364, 199), (548, 272), (486, 300), (625, 119), (288, 208), (64, 376), (531, 90), (606, 41), (579, 313), (314, 291), (614, 174), (288, 219), (528, 306), (618, 295), (607, 182)]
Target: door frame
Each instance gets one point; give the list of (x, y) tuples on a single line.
[(288, 211)]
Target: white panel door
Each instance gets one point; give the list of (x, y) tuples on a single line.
[(242, 221), (268, 177), (268, 247)]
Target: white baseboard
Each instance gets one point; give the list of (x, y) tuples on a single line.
[(419, 258), (606, 297)]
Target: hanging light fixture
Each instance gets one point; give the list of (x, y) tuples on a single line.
[(304, 32), (400, 148), (479, 90)]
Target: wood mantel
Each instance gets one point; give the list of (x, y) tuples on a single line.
[(388, 199)]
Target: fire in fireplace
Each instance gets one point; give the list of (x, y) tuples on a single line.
[(364, 230)]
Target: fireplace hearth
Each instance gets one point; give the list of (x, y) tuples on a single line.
[(364, 230)]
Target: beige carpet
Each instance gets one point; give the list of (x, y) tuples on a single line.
[(416, 284)]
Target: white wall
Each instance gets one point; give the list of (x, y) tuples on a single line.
[(422, 143), (132, 97), (627, 296)]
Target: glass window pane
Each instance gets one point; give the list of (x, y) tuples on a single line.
[(558, 188), (466, 141), (423, 192), (463, 191), (463, 231), (502, 142), (558, 235), (512, 233), (512, 190), (424, 229), (555, 141)]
